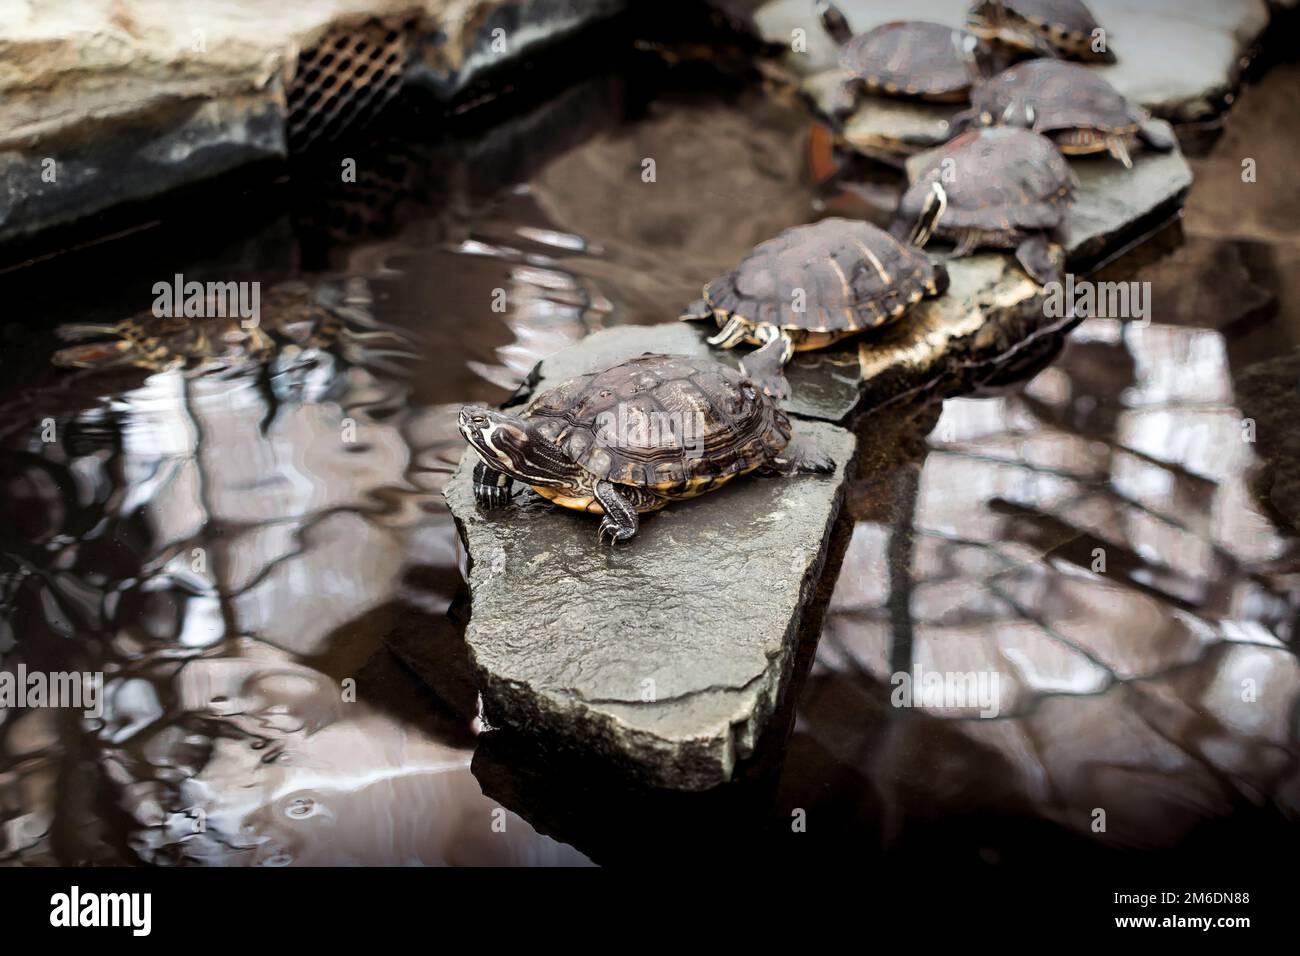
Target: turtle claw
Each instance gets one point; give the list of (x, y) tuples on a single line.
[(492, 488), (615, 531)]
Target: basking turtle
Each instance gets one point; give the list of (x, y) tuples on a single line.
[(634, 438), (1063, 28), (1078, 109), (1002, 187), (813, 285), (292, 317), (907, 58)]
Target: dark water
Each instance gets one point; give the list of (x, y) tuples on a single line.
[(235, 550)]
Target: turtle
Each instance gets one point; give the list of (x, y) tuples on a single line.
[(1077, 108), (813, 285), (914, 59), (292, 317), (633, 438), (1054, 28), (1003, 187)]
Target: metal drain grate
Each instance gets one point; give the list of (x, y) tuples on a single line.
[(341, 83)]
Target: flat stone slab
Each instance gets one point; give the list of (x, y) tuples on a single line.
[(1114, 206), (1178, 58), (668, 654)]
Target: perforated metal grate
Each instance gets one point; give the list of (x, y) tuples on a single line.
[(345, 80)]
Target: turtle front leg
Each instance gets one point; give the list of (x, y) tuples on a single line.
[(1041, 258), (492, 488), (800, 458), (844, 99), (620, 521), (697, 311)]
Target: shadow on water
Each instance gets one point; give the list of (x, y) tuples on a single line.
[(257, 557)]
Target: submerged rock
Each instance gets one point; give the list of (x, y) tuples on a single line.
[(668, 654)]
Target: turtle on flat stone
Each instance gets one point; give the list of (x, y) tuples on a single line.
[(813, 285), (1077, 108), (1058, 28), (1006, 188), (913, 59), (634, 438)]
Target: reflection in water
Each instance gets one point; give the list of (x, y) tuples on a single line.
[(1093, 542), (211, 546)]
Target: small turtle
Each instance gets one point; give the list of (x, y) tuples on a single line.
[(907, 58), (1078, 109), (1060, 28), (1003, 187), (813, 285), (634, 438)]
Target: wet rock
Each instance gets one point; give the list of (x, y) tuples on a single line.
[(1178, 58), (1269, 393), (103, 104), (176, 144), (667, 655), (1114, 207), (991, 315)]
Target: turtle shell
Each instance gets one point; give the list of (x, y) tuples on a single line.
[(1062, 96), (836, 275), (664, 422), (1067, 25), (913, 58), (998, 180)]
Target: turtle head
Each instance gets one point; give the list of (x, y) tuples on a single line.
[(932, 209), (510, 444), (833, 21)]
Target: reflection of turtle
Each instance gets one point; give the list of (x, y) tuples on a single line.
[(1006, 188), (1064, 28), (291, 317), (812, 286), (912, 58), (633, 438), (1078, 109)]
